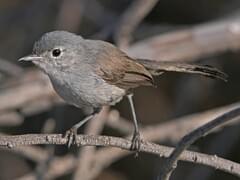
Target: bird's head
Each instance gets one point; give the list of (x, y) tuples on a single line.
[(55, 50)]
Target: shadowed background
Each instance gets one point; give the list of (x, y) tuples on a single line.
[(23, 22)]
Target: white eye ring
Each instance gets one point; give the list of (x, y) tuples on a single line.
[(56, 52)]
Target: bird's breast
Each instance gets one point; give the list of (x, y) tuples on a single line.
[(88, 90)]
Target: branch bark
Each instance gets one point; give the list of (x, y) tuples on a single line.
[(148, 147), (104, 157)]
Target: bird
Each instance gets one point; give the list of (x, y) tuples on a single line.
[(90, 74)]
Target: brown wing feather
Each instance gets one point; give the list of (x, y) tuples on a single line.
[(118, 69)]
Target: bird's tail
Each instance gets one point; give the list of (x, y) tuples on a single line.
[(158, 67)]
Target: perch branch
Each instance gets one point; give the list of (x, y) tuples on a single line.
[(93, 140), (104, 157)]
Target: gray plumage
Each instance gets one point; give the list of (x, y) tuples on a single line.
[(93, 73), (72, 73)]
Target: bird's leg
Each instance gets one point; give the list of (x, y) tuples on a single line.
[(71, 134), (136, 140)]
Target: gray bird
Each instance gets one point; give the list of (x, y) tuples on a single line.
[(92, 73)]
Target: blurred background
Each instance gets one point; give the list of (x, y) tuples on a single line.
[(203, 32)]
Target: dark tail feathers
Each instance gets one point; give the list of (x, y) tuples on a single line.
[(158, 67)]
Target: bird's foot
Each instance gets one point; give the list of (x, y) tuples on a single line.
[(136, 143), (71, 135)]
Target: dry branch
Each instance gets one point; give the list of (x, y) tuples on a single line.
[(161, 132), (9, 68), (231, 137), (190, 138), (57, 167), (70, 15), (92, 140), (32, 86), (130, 20), (192, 43), (181, 126), (10, 118), (104, 157)]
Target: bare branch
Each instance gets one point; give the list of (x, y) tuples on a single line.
[(104, 157), (181, 126), (93, 140), (10, 118), (190, 44), (130, 20), (190, 138), (216, 145), (30, 89), (70, 15), (32, 153), (57, 167), (10, 68), (161, 132)]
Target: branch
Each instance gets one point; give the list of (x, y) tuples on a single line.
[(130, 20), (70, 15), (10, 68), (104, 157), (190, 44), (92, 140), (10, 118), (27, 89), (187, 140)]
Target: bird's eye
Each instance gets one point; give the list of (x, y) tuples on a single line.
[(56, 52)]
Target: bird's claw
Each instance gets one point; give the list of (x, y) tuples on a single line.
[(71, 135), (136, 143)]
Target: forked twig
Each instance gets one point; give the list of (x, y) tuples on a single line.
[(190, 138)]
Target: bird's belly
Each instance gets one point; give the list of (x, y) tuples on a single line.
[(92, 93)]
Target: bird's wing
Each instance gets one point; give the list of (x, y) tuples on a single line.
[(116, 68), (156, 67)]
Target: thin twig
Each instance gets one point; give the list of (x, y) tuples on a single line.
[(70, 15), (130, 20), (190, 138), (216, 145)]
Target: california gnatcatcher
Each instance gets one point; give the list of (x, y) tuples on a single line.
[(92, 73)]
